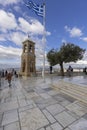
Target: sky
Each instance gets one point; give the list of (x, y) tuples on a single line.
[(66, 21)]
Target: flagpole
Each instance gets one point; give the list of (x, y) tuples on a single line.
[(44, 41), (34, 7)]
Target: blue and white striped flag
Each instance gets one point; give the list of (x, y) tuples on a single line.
[(38, 9)]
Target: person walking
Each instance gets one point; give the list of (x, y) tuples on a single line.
[(9, 78)]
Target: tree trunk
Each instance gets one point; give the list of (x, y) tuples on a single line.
[(62, 70)]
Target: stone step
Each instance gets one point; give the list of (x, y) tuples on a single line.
[(73, 87), (76, 96), (76, 87), (76, 90), (73, 90), (81, 94)]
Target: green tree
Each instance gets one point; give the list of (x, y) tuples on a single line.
[(51, 56), (67, 53)]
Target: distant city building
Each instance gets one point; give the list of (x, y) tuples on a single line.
[(28, 59)]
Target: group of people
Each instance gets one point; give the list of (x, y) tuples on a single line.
[(8, 75)]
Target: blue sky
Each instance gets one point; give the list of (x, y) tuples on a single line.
[(66, 21)]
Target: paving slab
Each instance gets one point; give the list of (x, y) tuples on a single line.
[(8, 106), (55, 109), (26, 108), (42, 129), (78, 110), (65, 119), (9, 117), (80, 124), (67, 129), (64, 103), (49, 116), (56, 126), (48, 128), (31, 95), (43, 103), (52, 92), (32, 119), (22, 102), (39, 90), (1, 128), (12, 126), (59, 97), (45, 95), (73, 114)]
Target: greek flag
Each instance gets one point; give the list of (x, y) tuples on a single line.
[(38, 9)]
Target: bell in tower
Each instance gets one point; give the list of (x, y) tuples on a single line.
[(28, 59)]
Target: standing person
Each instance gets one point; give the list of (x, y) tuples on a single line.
[(15, 73), (51, 69), (6, 72), (9, 78), (2, 73), (70, 70)]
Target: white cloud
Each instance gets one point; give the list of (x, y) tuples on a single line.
[(63, 41), (7, 21), (8, 2), (17, 8), (48, 33), (33, 26), (11, 57), (12, 53), (84, 39), (83, 62), (74, 32), (17, 37), (85, 56)]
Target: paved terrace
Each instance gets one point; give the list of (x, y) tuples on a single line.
[(31, 104)]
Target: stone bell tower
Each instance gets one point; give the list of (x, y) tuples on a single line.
[(28, 59)]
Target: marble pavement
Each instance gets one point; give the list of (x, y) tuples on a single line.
[(32, 104)]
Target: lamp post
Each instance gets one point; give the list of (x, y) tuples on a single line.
[(44, 40)]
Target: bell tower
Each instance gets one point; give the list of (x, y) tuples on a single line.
[(28, 59)]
